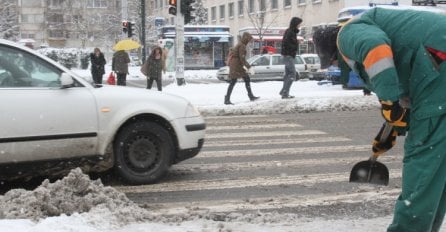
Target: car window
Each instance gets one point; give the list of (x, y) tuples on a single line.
[(312, 60), (278, 60), (19, 68), (262, 61), (298, 60)]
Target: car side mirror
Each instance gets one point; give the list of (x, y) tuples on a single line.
[(66, 80)]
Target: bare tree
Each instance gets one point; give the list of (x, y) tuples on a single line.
[(9, 28), (258, 18)]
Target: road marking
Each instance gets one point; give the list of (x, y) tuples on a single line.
[(240, 142), (243, 182), (270, 164), (271, 203), (265, 134), (284, 151), (253, 126)]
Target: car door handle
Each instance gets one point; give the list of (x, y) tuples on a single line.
[(267, 67)]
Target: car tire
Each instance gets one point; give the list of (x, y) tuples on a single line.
[(143, 152)]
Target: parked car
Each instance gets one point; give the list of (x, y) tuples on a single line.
[(53, 120), (313, 63), (266, 67)]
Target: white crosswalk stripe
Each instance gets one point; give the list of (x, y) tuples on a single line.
[(242, 153)]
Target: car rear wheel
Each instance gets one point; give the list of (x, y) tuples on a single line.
[(143, 152)]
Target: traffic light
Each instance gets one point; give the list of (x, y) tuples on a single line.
[(173, 7), (186, 10), (130, 29), (125, 26)]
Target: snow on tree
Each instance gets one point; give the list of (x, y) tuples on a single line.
[(201, 14), (9, 28)]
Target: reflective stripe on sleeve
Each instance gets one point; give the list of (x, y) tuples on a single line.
[(380, 66), (378, 59)]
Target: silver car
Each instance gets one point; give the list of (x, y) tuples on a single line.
[(267, 67)]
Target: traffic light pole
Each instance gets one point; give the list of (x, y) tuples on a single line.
[(179, 47)]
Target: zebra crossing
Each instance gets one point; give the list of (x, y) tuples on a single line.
[(265, 163)]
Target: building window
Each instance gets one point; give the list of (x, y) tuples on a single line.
[(262, 5), (316, 1), (274, 4), (251, 6), (241, 8), (231, 10), (286, 3), (56, 3), (97, 3), (55, 18), (222, 12), (213, 14), (301, 2), (31, 18)]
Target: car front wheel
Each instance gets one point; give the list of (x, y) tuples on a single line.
[(143, 152)]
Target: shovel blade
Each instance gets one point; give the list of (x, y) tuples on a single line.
[(369, 171)]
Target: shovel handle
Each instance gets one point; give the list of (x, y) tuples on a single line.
[(384, 136)]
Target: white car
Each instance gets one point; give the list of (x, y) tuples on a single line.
[(266, 67), (313, 63), (52, 120)]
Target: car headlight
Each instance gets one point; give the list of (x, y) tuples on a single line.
[(191, 111)]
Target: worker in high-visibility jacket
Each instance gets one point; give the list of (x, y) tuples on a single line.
[(401, 56)]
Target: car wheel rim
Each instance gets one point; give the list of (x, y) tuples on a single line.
[(142, 153)]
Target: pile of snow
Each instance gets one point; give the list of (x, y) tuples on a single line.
[(74, 194)]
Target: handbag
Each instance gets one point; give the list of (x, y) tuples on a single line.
[(145, 67), (111, 79)]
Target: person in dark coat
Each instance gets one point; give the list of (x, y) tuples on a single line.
[(120, 64), (155, 64), (238, 66), (289, 51), (97, 65)]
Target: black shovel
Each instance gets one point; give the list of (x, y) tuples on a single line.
[(371, 171)]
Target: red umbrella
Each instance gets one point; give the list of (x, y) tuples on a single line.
[(268, 49)]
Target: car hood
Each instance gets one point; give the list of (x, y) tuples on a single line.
[(141, 100)]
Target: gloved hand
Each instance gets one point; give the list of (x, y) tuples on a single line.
[(251, 71), (381, 145), (394, 113)]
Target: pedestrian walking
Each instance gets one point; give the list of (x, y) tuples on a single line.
[(97, 65), (403, 62), (120, 64), (289, 51), (155, 65), (238, 67)]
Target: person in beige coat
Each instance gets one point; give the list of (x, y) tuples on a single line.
[(238, 66)]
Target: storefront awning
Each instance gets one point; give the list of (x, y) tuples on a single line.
[(273, 38)]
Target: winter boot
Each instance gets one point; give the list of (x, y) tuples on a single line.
[(248, 88), (227, 101), (228, 93)]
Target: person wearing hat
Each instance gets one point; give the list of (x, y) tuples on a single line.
[(403, 62), (289, 51)]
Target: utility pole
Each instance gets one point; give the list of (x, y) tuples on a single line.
[(143, 30), (179, 46)]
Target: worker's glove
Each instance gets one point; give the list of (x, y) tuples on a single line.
[(394, 113), (251, 71), (381, 145)]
